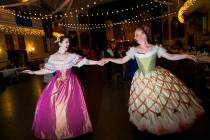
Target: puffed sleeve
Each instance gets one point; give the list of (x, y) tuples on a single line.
[(131, 52), (50, 67), (80, 60), (160, 51)]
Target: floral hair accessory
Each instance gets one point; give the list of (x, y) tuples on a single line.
[(57, 40)]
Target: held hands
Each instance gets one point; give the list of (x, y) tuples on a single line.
[(103, 61), (28, 72), (193, 57)]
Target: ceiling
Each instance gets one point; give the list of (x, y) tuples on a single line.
[(201, 6), (38, 8), (50, 6), (54, 6)]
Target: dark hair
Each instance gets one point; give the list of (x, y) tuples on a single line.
[(143, 28), (60, 39)]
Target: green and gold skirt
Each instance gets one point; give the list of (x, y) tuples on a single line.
[(160, 103)]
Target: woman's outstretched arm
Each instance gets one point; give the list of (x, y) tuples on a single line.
[(174, 57), (81, 61), (93, 62), (118, 60), (47, 69), (38, 72)]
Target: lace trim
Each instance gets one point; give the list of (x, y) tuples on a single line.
[(73, 62)]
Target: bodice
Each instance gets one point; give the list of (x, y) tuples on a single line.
[(146, 62), (63, 74), (64, 64)]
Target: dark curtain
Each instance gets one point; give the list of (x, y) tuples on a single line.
[(9, 42), (21, 42), (47, 26)]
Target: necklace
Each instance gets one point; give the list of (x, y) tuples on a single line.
[(143, 50), (59, 53)]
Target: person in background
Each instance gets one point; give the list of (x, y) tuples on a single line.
[(130, 69), (109, 54), (92, 54), (61, 110), (118, 69)]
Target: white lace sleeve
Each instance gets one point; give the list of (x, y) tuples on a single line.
[(49, 67), (160, 51), (131, 52), (80, 61)]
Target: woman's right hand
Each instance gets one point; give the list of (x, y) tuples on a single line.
[(28, 71), (105, 60), (102, 62)]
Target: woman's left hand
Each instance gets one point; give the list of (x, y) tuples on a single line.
[(28, 72), (103, 62), (193, 57)]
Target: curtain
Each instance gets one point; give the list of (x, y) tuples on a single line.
[(9, 42), (21, 42)]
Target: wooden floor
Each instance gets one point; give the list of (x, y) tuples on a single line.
[(106, 101)]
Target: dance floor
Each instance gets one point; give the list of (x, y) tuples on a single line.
[(107, 104)]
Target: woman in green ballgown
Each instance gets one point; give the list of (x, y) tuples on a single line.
[(159, 102)]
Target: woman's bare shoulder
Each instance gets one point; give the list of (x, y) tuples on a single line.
[(52, 56)]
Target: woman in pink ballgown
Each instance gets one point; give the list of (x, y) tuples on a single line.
[(61, 110)]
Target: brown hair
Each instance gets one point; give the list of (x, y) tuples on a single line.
[(146, 30), (60, 39)]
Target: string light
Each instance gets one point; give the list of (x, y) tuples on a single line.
[(107, 26), (164, 2), (24, 30), (94, 26), (13, 12), (74, 12)]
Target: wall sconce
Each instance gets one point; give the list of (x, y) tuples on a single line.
[(24, 0), (31, 51)]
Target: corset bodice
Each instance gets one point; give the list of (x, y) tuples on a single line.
[(146, 64)]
